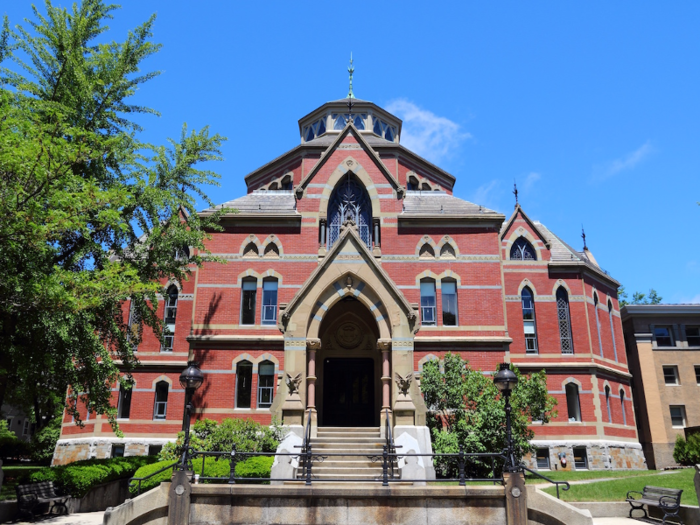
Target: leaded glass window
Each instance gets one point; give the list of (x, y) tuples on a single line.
[(522, 250), (383, 129), (350, 201), (567, 344), (316, 129), (340, 120), (529, 326)]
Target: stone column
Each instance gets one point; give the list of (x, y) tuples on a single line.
[(516, 498), (384, 346), (312, 346)]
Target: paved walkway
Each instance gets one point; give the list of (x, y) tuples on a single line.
[(615, 521), (87, 518)]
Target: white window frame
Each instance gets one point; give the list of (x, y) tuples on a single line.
[(670, 335), (674, 369), (682, 415)]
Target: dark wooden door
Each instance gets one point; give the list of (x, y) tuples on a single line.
[(348, 392)]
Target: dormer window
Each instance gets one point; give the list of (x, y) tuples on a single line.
[(384, 130), (316, 129), (340, 120)]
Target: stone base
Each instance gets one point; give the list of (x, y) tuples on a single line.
[(602, 455), (70, 450)]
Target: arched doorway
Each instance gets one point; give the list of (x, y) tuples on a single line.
[(349, 378)]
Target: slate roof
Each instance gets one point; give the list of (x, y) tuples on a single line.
[(418, 203), (262, 202), (562, 252)]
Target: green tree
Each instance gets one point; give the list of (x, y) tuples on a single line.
[(469, 412), (92, 216), (638, 298)]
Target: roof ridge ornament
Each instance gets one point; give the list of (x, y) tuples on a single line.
[(351, 70), (515, 192), (583, 236)]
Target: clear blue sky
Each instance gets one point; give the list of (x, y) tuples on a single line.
[(592, 107)]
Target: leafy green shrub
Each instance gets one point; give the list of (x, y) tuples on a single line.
[(255, 467), (207, 435), (44, 441), (687, 452), (78, 478)]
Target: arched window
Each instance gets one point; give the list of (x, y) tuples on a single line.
[(251, 250), (522, 250), (244, 382), (447, 252), (607, 403), (266, 384), (249, 291), (563, 314), (426, 252), (612, 327), (427, 302), (271, 251), (349, 201), (287, 183), (412, 184), (597, 322), (169, 318), (622, 404), (160, 407), (269, 299), (449, 302), (529, 326), (124, 403), (573, 404)]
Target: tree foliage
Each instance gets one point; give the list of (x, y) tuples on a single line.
[(92, 216), (638, 298), (469, 411)]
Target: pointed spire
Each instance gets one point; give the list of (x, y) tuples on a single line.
[(515, 192), (351, 70), (583, 236)]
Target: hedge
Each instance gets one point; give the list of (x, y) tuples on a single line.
[(76, 479), (255, 467)]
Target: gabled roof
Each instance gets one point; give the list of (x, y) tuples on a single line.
[(349, 236), (350, 128), (420, 203), (533, 225)]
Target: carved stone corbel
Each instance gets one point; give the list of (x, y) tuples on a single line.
[(383, 345), (313, 343)]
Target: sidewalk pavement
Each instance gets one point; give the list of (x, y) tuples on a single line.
[(87, 518), (615, 521)]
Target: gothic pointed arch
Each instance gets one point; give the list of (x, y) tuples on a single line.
[(349, 201)]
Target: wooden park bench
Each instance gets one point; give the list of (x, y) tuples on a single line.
[(668, 500), (31, 496)]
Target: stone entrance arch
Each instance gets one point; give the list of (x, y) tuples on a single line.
[(349, 272)]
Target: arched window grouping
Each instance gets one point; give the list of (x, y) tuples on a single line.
[(349, 201), (564, 318), (522, 250), (529, 323), (169, 318), (428, 302)]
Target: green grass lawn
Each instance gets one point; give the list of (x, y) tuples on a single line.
[(580, 475), (616, 490), (14, 475)]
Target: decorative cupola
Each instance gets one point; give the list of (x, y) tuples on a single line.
[(332, 117)]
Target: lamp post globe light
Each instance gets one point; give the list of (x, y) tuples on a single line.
[(506, 380), (191, 379)]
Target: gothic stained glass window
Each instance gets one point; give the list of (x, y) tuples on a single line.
[(350, 201), (341, 119), (522, 251), (567, 344)]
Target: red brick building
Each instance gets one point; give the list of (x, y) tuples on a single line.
[(350, 260)]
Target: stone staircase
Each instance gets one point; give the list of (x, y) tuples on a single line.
[(346, 440)]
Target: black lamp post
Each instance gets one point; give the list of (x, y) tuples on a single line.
[(505, 380), (191, 379)]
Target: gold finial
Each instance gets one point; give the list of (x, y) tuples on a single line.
[(351, 70)]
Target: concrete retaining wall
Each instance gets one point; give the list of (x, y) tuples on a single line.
[(614, 509), (345, 505)]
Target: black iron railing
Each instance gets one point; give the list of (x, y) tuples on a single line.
[(556, 483), (138, 481)]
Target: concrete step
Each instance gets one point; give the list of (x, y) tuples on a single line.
[(348, 429), (345, 476), (301, 483), (346, 447), (349, 439), (344, 458), (342, 472)]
